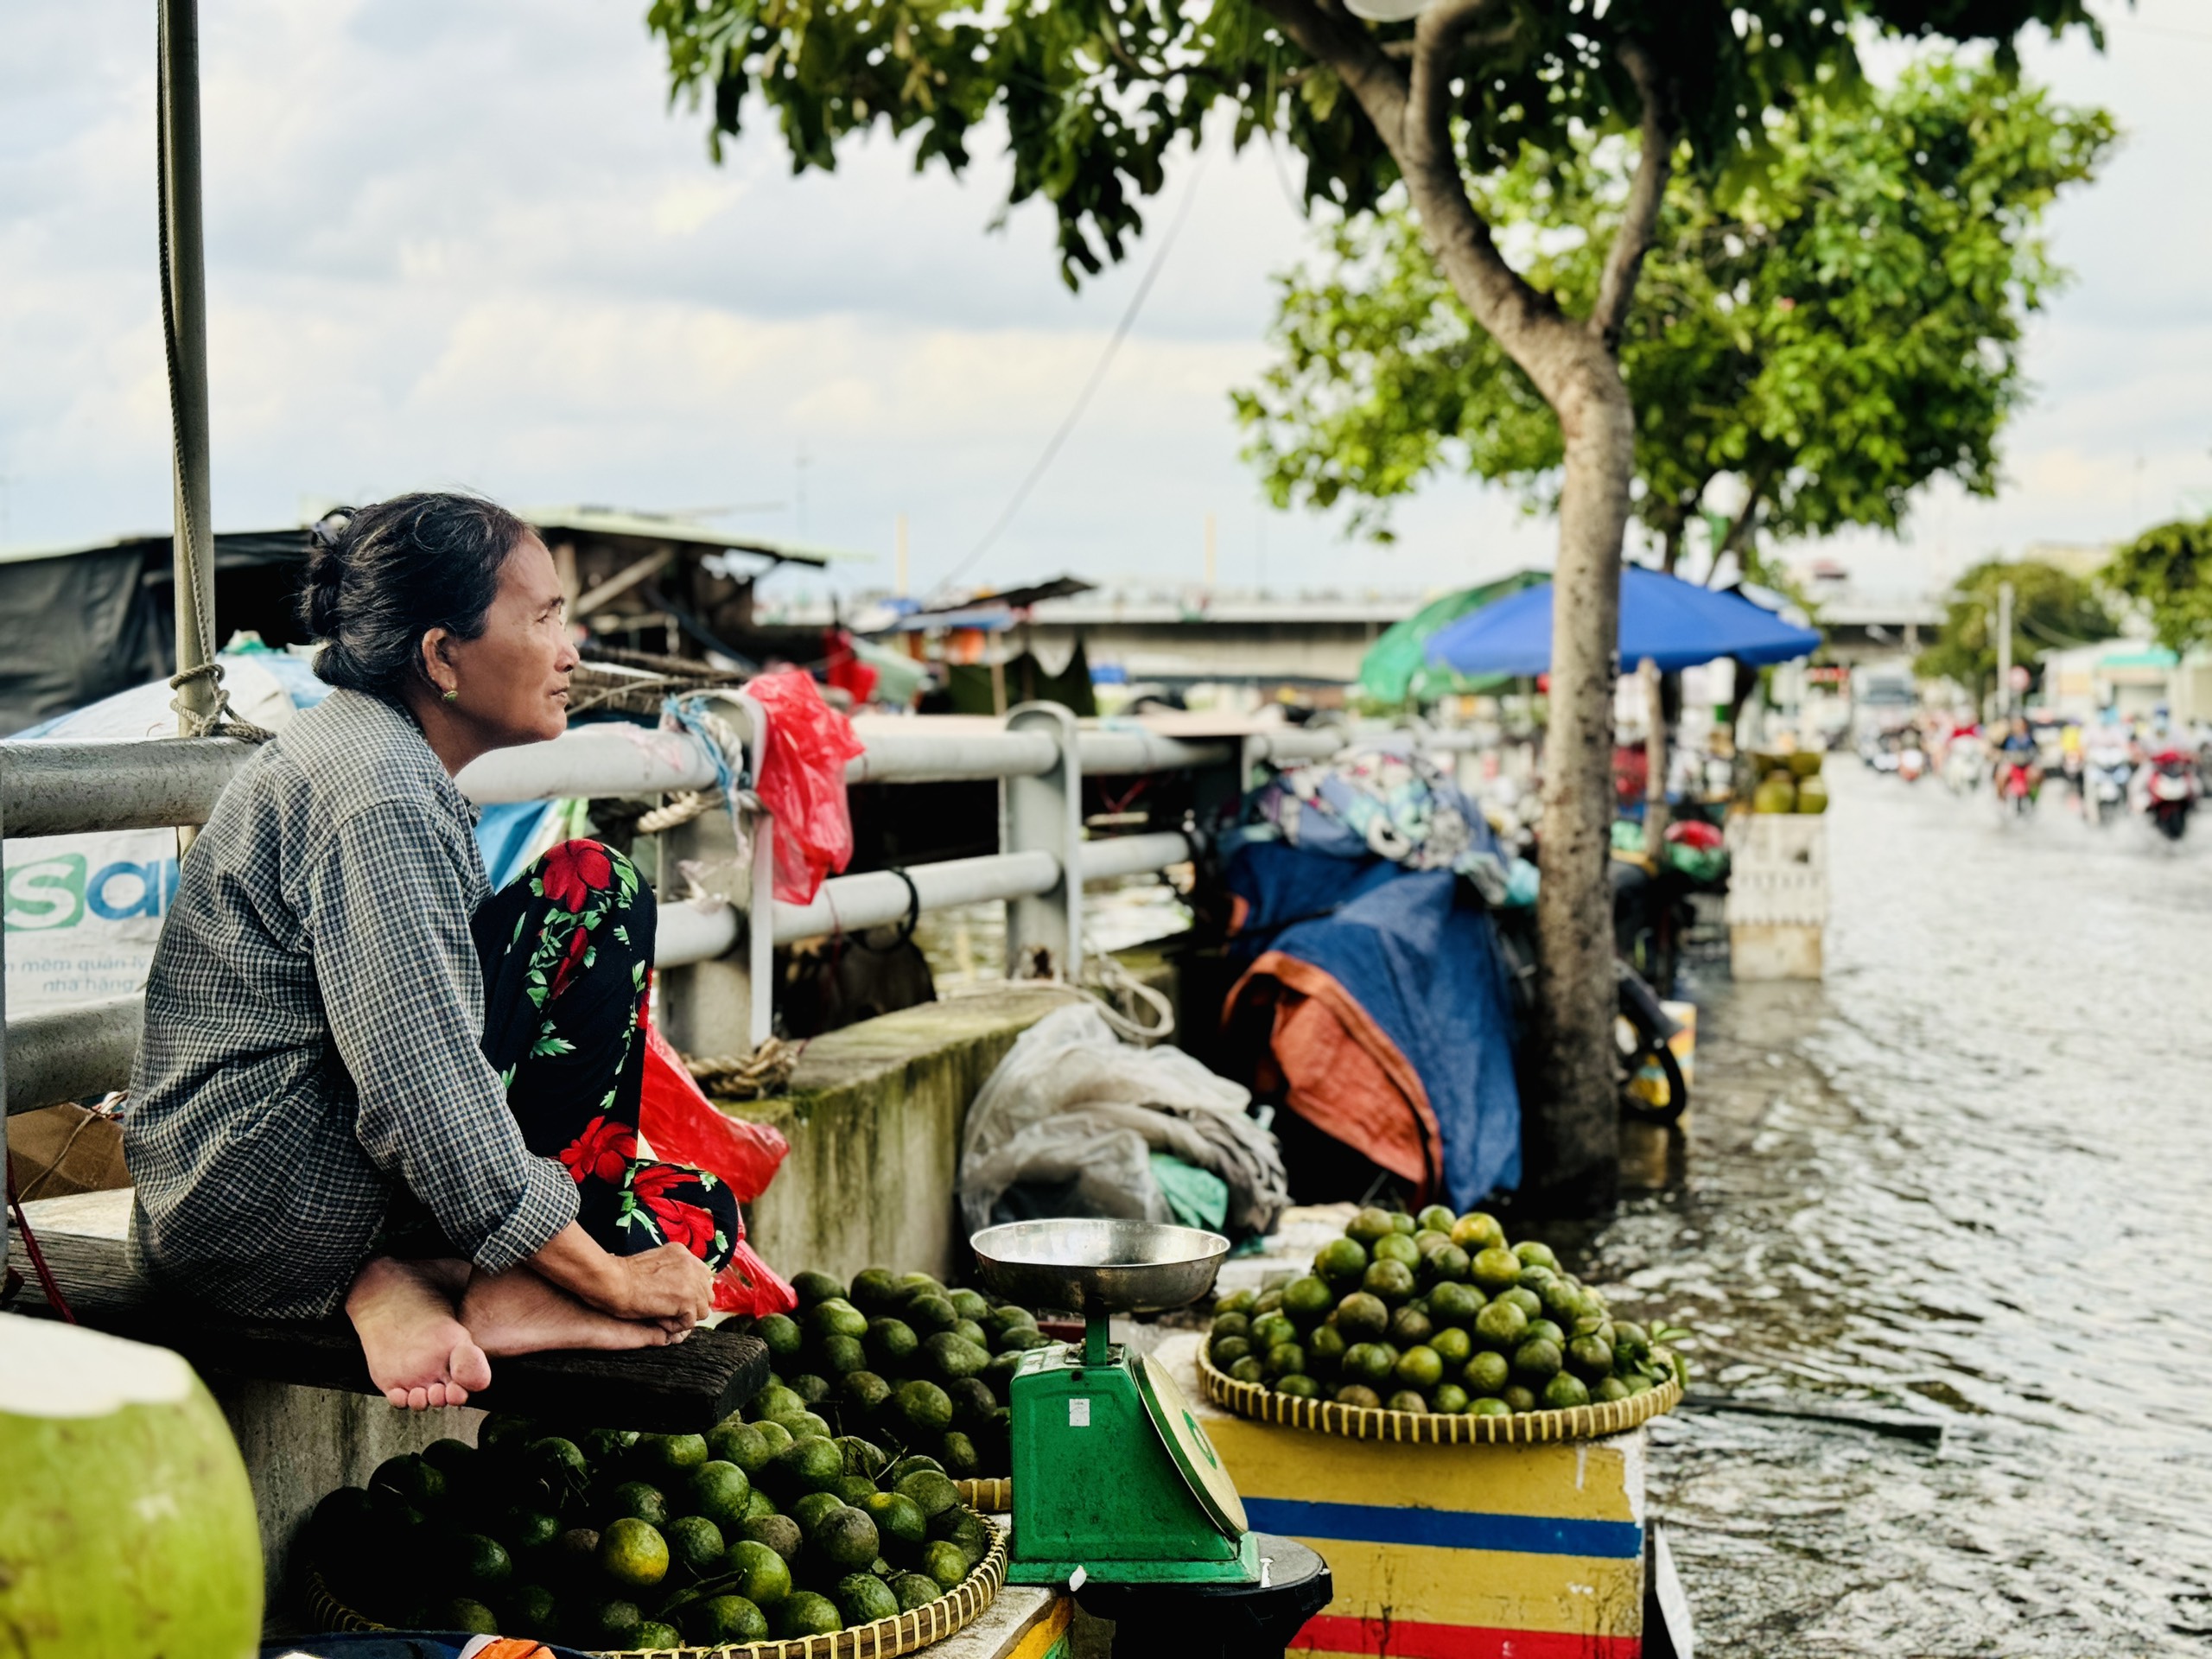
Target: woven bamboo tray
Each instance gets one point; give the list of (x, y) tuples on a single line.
[(1434, 1428), (994, 1495), (886, 1638)]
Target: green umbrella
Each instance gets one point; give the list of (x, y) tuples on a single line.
[(1396, 670)]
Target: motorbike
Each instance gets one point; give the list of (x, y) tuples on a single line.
[(2016, 785), (2170, 790), (2105, 774), (1651, 1084)]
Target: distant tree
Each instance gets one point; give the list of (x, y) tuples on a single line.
[(1831, 335), (2052, 610), (1092, 95), (2168, 572)]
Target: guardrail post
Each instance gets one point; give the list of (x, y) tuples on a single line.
[(726, 1006), (1044, 934)]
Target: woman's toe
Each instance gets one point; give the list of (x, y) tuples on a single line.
[(469, 1370)]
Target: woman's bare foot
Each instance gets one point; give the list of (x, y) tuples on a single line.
[(419, 1354), (518, 1313)]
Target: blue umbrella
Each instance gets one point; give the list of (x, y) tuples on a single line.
[(1676, 623)]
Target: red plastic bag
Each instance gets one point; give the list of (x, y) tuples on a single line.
[(800, 778), (680, 1123)]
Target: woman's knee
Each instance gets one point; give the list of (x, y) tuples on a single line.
[(588, 878)]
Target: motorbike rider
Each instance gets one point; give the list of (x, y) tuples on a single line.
[(2018, 748)]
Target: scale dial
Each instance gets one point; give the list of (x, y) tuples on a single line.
[(1189, 1449)]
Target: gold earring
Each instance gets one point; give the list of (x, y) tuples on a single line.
[(453, 696)]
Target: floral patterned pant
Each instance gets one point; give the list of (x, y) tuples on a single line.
[(568, 948)]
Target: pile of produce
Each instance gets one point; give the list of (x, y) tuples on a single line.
[(1437, 1312), (1788, 783), (905, 1362), (769, 1526)]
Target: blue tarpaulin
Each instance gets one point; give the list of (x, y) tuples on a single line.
[(1677, 624)]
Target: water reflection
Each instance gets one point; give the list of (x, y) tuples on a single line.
[(1967, 1176)]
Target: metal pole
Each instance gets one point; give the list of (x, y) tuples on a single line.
[(2003, 650), (184, 318)]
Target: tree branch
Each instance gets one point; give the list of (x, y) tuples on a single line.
[(1624, 259), (1746, 521)]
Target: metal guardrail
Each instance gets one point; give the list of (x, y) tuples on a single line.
[(49, 788)]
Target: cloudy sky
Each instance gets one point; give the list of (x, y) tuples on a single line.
[(468, 243)]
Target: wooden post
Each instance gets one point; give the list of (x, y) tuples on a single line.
[(1655, 759), (184, 309)]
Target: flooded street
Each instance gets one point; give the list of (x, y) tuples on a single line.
[(1967, 1177)]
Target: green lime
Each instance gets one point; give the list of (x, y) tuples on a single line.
[(1358, 1395), (874, 1290), (1565, 1392), (479, 1564), (774, 1403), (757, 1503), (1410, 1326), (1399, 1247), (909, 1465), (1391, 1281), (774, 1436), (815, 1288), (1406, 1400), (525, 1531), (1608, 1387), (1402, 1223), (1530, 1304), (932, 1490), (1370, 1224), (969, 1304), (763, 1576), (1437, 1219), (1590, 1356), (950, 1357), (777, 1532), (969, 1331), (1362, 1317), (694, 1546), (1238, 1301), (809, 1510), (1495, 1269), (1340, 1262), (1249, 1369), (1484, 1405), (861, 1457), (802, 1613), (1307, 1300), (898, 1518), (531, 1611), (1453, 1346), (843, 1355), (945, 1562), (808, 1465), (846, 1537), (973, 1402), (1303, 1388), (632, 1553), (1534, 1255), (1630, 1340), (1367, 1361), (1500, 1325), (1487, 1372), (640, 1500), (1536, 1276), (1325, 1350), (781, 1334), (863, 1599), (911, 1284), (852, 1489), (1271, 1328), (672, 1454), (725, 1620), (962, 1460), (1419, 1367), (1426, 1244), (416, 1482), (613, 1622), (834, 1318), (915, 1591), (1284, 1359), (1536, 1359), (1517, 1398), (464, 1614), (718, 1491), (1547, 1330), (653, 1636), (926, 1407), (1228, 1325), (862, 1391), (931, 1313), (1226, 1351), (968, 1529), (1449, 1266), (811, 1425), (739, 1443), (1449, 1398)]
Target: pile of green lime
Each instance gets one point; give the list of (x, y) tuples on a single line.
[(768, 1527), (906, 1362), (1438, 1312)]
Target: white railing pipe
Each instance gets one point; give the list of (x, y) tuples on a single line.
[(605, 757), (70, 1053), (49, 788), (1133, 855), (849, 904), (931, 757), (1120, 752)]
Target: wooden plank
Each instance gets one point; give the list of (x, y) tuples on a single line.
[(686, 1389)]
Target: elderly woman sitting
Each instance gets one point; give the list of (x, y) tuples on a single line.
[(368, 1081)]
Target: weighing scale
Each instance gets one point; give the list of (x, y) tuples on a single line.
[(1114, 1482)]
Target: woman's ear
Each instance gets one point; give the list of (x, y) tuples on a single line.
[(436, 662)]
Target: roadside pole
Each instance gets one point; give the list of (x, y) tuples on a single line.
[(184, 318), (2004, 651), (1655, 762)]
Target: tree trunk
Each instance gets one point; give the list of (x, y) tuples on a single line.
[(1572, 1125)]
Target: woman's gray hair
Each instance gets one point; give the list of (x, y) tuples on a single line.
[(379, 577)]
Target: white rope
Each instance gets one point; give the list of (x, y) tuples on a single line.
[(221, 721)]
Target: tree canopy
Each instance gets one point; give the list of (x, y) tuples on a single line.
[(2052, 610), (1831, 334), (2168, 570)]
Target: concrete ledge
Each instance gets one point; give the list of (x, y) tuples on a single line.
[(874, 1118)]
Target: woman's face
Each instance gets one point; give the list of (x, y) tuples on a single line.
[(513, 679)]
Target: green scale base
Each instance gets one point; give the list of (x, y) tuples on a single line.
[(1112, 1474)]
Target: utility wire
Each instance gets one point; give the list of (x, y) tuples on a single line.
[(1082, 399)]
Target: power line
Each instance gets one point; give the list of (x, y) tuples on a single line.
[(1082, 399)]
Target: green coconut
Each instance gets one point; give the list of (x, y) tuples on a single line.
[(1778, 794), (128, 1527)]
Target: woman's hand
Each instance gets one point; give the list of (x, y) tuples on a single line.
[(668, 1286)]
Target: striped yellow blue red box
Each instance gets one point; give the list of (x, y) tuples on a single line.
[(1449, 1552)]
